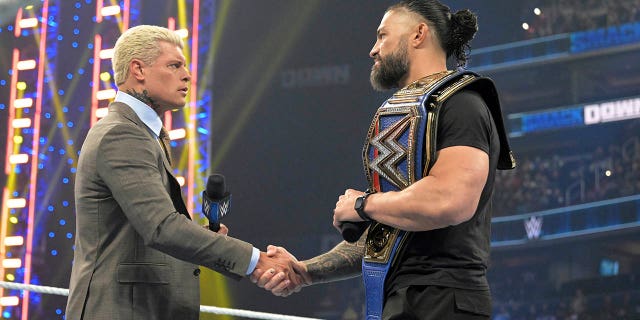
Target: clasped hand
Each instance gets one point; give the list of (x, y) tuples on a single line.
[(280, 272)]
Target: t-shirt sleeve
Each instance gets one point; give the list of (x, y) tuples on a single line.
[(464, 120)]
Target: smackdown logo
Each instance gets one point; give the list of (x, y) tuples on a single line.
[(612, 111)]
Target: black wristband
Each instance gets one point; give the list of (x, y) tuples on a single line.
[(359, 205)]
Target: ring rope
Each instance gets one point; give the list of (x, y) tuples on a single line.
[(205, 309)]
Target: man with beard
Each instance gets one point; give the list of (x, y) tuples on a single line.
[(430, 158)]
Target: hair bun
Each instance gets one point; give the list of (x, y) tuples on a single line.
[(464, 25)]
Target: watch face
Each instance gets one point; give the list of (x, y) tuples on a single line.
[(359, 202)]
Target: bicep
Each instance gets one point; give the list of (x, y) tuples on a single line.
[(461, 172)]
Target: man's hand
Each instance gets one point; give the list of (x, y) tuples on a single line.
[(282, 283), (223, 230), (344, 210)]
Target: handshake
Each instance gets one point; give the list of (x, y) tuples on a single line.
[(280, 272)]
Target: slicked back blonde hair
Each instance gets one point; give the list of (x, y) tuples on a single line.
[(140, 42)]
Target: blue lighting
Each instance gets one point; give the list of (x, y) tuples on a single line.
[(65, 203), (70, 161), (203, 130), (73, 170), (74, 44), (70, 142), (65, 180), (80, 71), (10, 28), (65, 109), (58, 311), (54, 252), (60, 37), (43, 140), (70, 124), (69, 235), (3, 82), (50, 208), (40, 166), (90, 45), (76, 17), (91, 60), (61, 92), (60, 125), (6, 314), (62, 222), (52, 234), (2, 106), (69, 76), (47, 115), (76, 31)]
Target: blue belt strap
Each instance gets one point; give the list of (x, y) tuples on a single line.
[(374, 274)]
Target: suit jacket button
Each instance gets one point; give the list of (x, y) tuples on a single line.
[(196, 272)]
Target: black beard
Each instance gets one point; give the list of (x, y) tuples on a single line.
[(390, 70), (144, 97)]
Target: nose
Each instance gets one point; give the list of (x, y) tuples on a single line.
[(187, 75), (374, 51)]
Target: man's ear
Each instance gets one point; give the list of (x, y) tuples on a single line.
[(136, 68), (421, 33)]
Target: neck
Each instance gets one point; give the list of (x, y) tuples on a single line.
[(422, 65), (142, 95)]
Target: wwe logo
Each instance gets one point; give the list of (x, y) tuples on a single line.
[(206, 207), (224, 208), (533, 227)]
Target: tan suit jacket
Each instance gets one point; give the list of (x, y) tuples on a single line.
[(137, 250)]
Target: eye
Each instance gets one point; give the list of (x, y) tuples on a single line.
[(176, 65)]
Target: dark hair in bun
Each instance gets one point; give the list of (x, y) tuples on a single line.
[(454, 31)]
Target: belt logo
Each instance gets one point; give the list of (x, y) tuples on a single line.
[(391, 152)]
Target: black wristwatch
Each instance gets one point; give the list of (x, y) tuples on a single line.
[(360, 202)]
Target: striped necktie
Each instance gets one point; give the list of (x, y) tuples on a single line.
[(165, 140)]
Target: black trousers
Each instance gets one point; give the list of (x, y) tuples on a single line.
[(437, 303)]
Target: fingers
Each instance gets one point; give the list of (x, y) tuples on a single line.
[(272, 251), (223, 230), (271, 279)]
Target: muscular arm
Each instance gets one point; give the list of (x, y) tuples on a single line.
[(449, 195), (342, 262)]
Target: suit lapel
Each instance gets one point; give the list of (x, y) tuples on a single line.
[(174, 187)]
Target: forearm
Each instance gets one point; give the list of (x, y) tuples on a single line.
[(420, 207), (342, 262)]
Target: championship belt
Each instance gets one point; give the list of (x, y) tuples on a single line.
[(399, 150)]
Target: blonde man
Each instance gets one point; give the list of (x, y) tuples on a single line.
[(137, 251)]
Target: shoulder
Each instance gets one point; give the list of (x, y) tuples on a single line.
[(466, 103)]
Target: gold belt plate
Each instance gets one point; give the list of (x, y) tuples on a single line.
[(379, 243)]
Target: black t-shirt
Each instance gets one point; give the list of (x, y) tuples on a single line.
[(455, 256)]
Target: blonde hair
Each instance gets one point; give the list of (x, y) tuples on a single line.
[(140, 42)]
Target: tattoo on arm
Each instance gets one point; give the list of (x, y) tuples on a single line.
[(342, 262), (144, 96)]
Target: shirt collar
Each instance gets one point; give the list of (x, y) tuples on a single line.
[(148, 116)]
